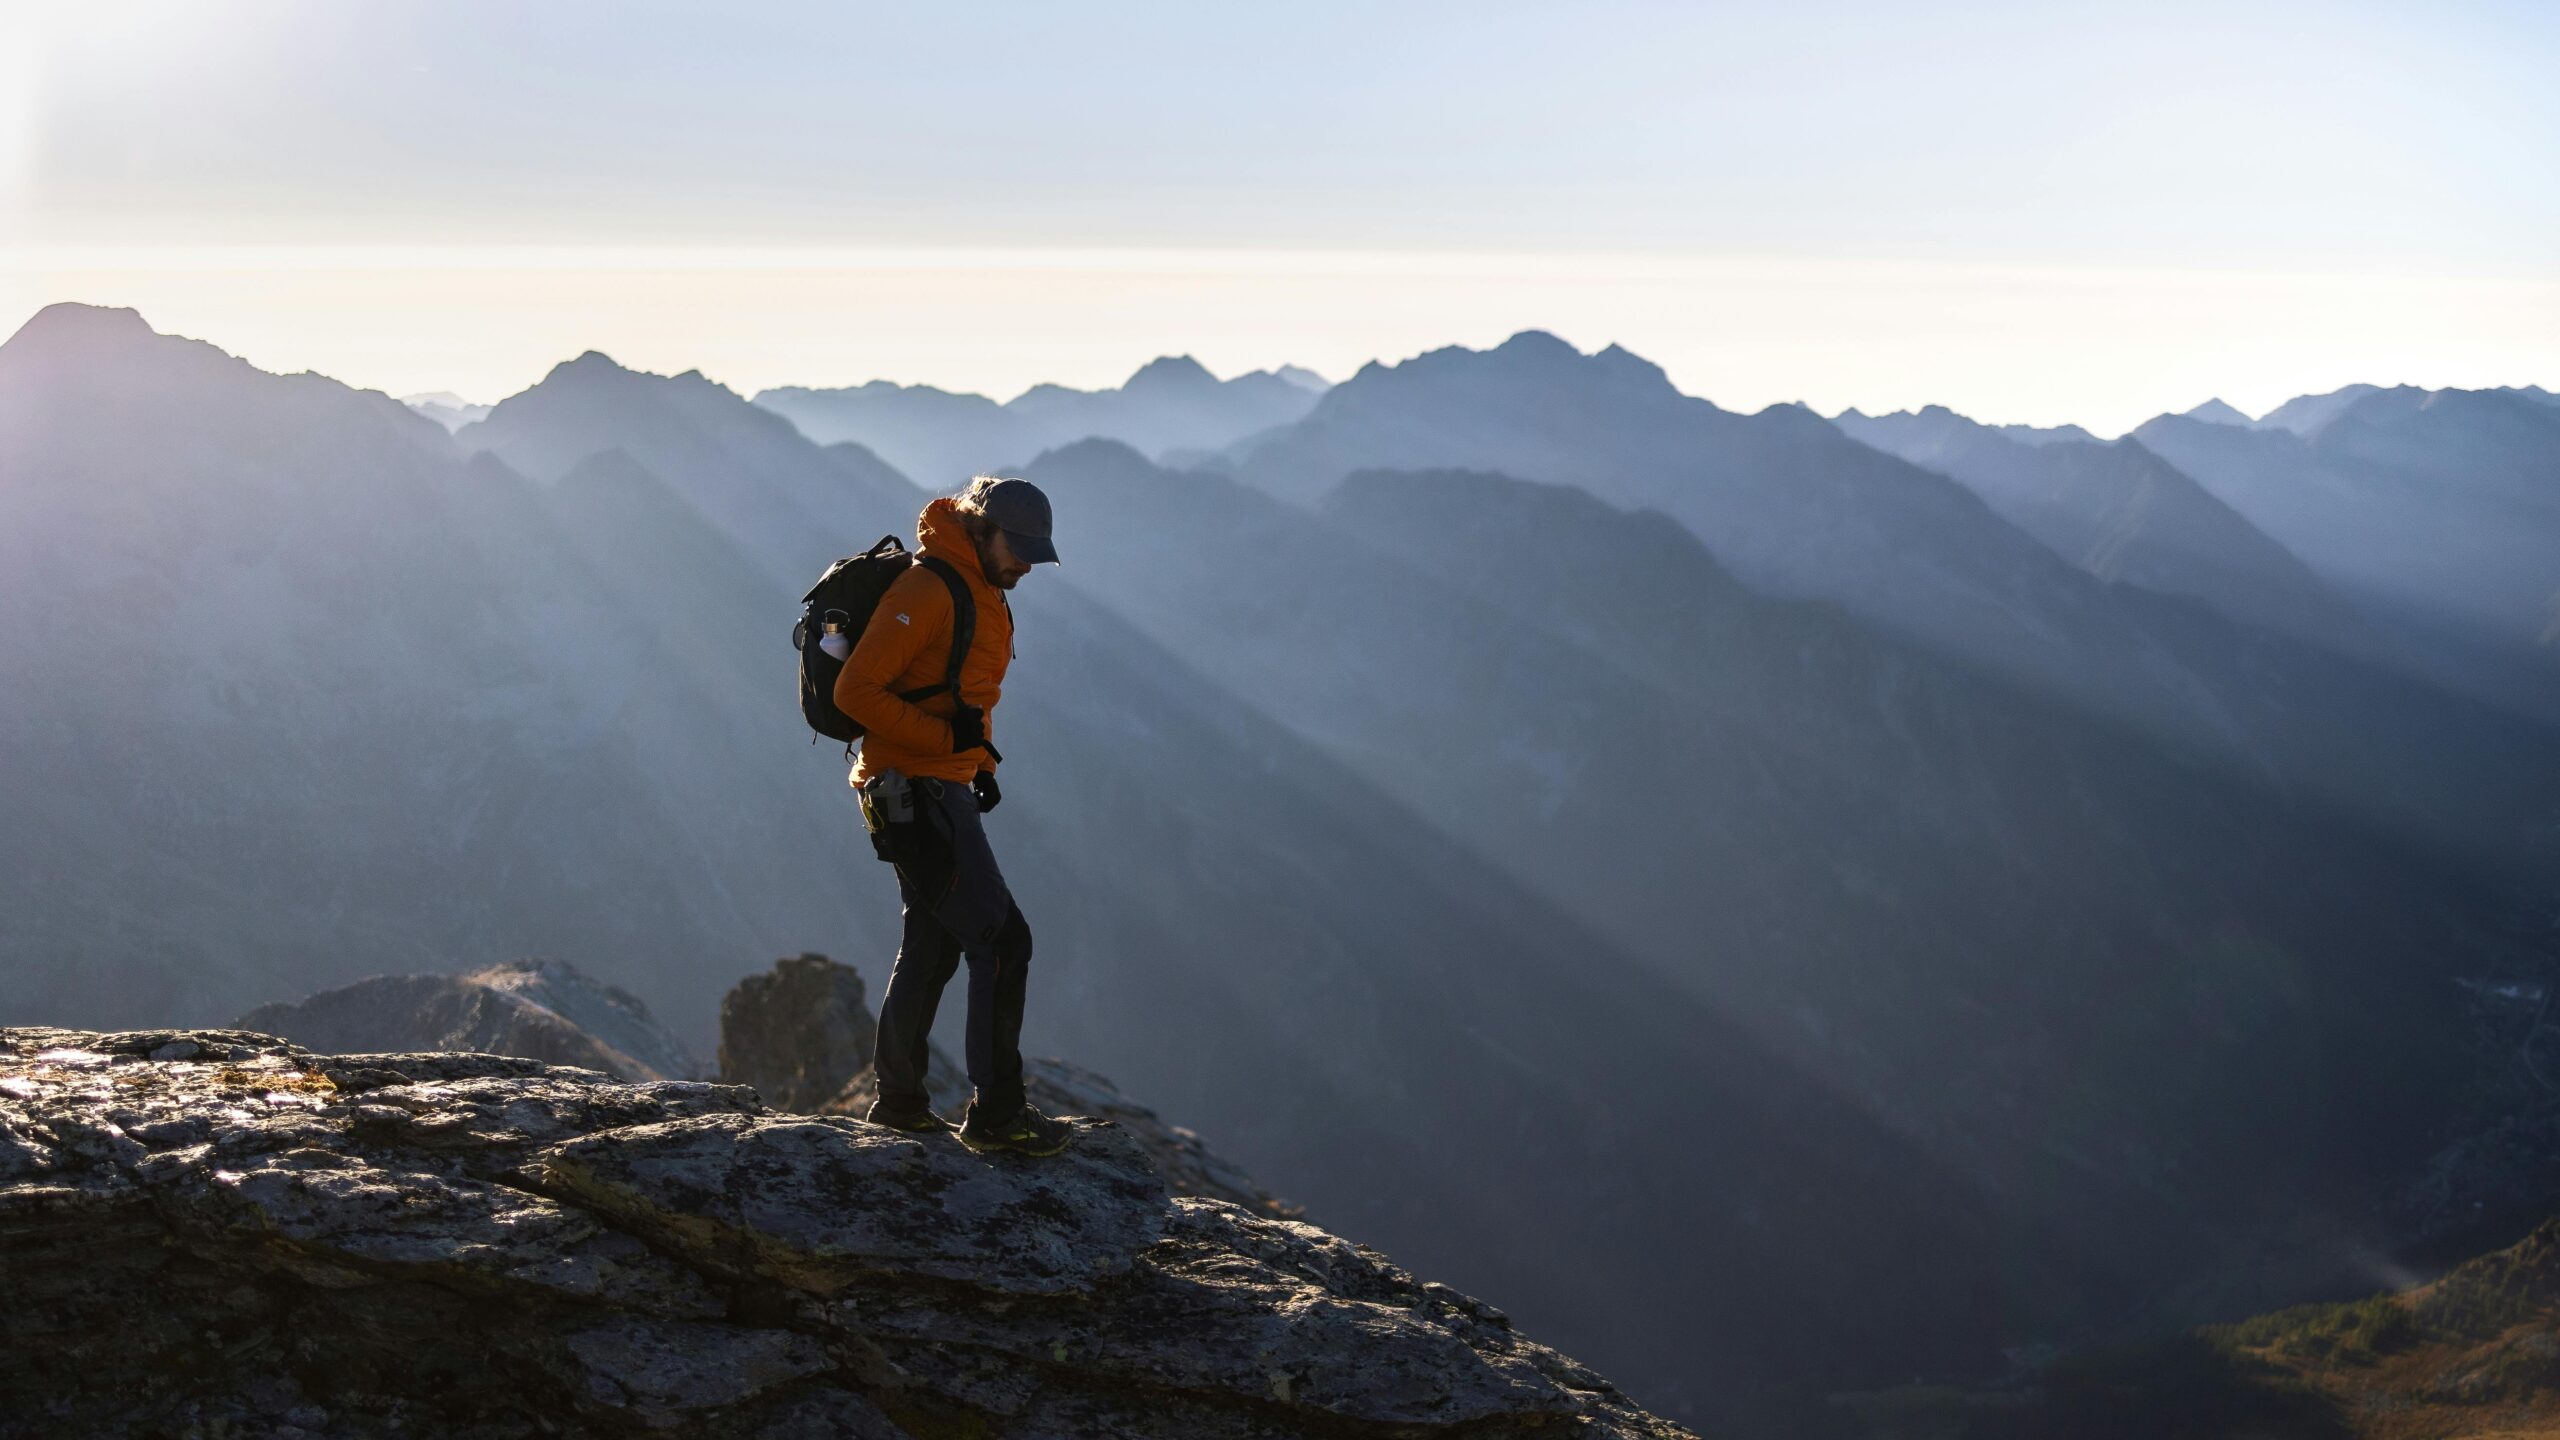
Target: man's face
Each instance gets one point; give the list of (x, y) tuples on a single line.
[(997, 560)]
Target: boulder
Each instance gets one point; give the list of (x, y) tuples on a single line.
[(797, 1033)]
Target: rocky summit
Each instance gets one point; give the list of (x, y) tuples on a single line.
[(219, 1233)]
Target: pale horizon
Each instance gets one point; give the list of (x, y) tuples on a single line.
[(2026, 217), (486, 324)]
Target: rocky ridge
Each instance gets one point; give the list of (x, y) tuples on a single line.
[(217, 1232), (536, 1009)]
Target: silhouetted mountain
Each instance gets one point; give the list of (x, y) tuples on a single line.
[(2439, 512), (2124, 514), (1796, 509), (941, 438), (1169, 402), (2306, 414), (745, 469), (933, 435), (380, 712), (389, 708), (2039, 434), (1887, 865), (1786, 501), (2219, 412), (446, 408)]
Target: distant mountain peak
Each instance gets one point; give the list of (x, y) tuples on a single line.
[(1097, 454), (1630, 367), (74, 320), (1303, 378), (595, 371), (2217, 412), (589, 364), (1531, 357), (1538, 344), (1167, 372)]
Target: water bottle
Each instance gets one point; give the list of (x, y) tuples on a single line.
[(835, 634)]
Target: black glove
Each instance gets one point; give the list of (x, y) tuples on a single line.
[(968, 729), (989, 795)]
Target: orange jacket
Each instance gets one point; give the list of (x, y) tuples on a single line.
[(907, 646)]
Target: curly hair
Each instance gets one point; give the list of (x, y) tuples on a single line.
[(973, 500), (971, 503)]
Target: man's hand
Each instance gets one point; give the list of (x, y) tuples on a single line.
[(989, 796), (968, 729)]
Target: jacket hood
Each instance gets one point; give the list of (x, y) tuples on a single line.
[(942, 532)]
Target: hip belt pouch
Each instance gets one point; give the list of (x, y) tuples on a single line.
[(899, 811)]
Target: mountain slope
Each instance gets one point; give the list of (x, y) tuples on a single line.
[(2471, 1355), (746, 470), (1796, 509), (1792, 506), (2124, 514), (2020, 936), (374, 711), (2439, 512)]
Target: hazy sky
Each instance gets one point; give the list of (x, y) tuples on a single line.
[(2030, 211)]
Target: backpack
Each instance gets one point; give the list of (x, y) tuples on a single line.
[(853, 587)]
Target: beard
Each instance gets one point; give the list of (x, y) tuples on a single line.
[(999, 578)]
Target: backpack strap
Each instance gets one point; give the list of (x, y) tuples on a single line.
[(964, 625), (964, 633)]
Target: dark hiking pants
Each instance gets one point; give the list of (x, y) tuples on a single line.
[(957, 905)]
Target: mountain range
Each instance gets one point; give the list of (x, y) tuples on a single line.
[(397, 706), (2437, 512), (2125, 515), (941, 439), (1749, 902)]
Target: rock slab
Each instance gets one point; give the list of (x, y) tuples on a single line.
[(219, 1233)]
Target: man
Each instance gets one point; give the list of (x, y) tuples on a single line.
[(956, 901)]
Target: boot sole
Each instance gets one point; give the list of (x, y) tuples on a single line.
[(1008, 1147), (929, 1128)]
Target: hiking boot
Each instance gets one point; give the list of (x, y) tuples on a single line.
[(1028, 1133), (914, 1119)]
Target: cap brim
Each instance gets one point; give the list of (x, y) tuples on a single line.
[(1031, 549)]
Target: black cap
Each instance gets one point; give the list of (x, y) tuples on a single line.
[(1021, 511)]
